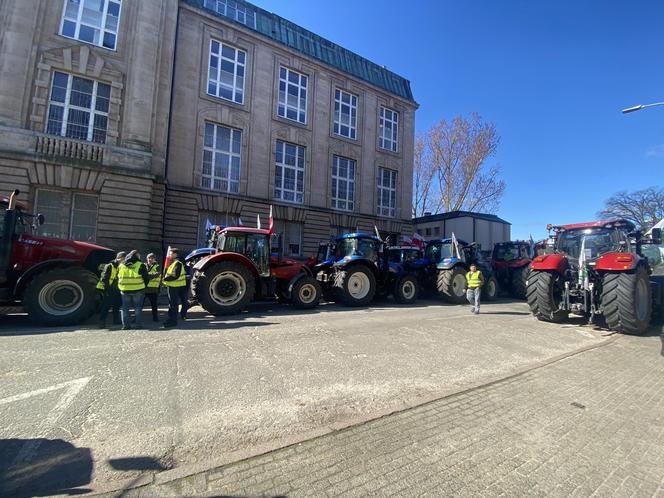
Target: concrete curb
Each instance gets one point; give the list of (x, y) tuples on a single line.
[(279, 444)]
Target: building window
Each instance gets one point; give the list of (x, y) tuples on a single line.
[(289, 172), (292, 95), (427, 232), (436, 231), (78, 108), (221, 158), (226, 72), (67, 215), (92, 21), (387, 192), (234, 10), (345, 114), (290, 235), (343, 183), (388, 129)]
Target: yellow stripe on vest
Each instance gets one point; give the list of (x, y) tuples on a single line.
[(129, 279)]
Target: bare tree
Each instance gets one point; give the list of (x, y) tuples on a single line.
[(642, 207), (450, 171)]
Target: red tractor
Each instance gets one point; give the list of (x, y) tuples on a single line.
[(595, 270), (511, 264), (243, 269), (53, 279)]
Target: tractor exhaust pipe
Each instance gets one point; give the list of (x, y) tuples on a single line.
[(9, 228), (12, 199)]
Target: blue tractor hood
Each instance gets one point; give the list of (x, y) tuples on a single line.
[(200, 252)]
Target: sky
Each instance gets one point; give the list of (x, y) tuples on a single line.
[(553, 75)]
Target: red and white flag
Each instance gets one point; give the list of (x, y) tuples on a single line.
[(258, 221), (270, 221), (167, 261), (418, 240)]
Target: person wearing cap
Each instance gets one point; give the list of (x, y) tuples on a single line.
[(108, 286), (152, 288), (175, 281), (132, 279)]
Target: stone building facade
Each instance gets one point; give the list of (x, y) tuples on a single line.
[(132, 123), (84, 103), (267, 113)]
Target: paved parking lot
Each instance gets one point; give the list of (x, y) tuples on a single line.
[(122, 406)]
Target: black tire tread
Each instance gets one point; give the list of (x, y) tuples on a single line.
[(345, 296), (519, 281), (618, 306), (540, 297), (398, 295), (200, 288), (306, 306), (444, 285)]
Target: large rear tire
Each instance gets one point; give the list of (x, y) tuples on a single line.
[(627, 301), (224, 288), (62, 296), (358, 287), (406, 290), (544, 296), (519, 282), (490, 291), (451, 285), (306, 293)]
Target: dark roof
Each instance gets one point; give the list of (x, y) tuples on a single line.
[(459, 214), (297, 38), (357, 235)]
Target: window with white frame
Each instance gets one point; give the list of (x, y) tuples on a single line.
[(78, 108), (92, 21), (221, 158), (388, 130), (226, 72), (289, 236), (67, 215), (289, 172), (292, 95), (345, 114), (343, 183), (233, 9), (387, 192)]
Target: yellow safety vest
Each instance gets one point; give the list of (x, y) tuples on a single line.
[(181, 281), (129, 279), (154, 281), (114, 273), (474, 280)]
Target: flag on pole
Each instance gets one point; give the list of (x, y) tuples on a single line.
[(239, 222), (270, 221), (583, 270), (377, 232), (167, 262), (208, 225), (258, 221), (659, 225), (455, 244), (531, 249), (418, 240)]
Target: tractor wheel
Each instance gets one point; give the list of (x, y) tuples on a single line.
[(452, 285), (519, 282), (306, 293), (63, 296), (542, 299), (627, 301), (224, 288), (358, 287), (490, 290), (406, 290)]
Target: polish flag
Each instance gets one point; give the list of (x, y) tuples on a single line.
[(270, 221), (167, 262), (418, 240), (258, 221)]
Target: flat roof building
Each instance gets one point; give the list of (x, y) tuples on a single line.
[(486, 229)]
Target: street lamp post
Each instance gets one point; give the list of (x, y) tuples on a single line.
[(642, 106)]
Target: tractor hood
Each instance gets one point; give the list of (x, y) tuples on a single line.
[(62, 249), (200, 252), (447, 263)]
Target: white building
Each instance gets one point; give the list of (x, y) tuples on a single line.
[(486, 229)]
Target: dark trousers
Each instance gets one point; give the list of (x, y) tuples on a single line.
[(177, 296), (153, 298), (111, 299)]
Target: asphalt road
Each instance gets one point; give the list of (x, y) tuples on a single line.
[(121, 405)]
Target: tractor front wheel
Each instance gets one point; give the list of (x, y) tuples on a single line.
[(224, 288), (627, 301), (544, 296), (452, 285), (306, 293), (519, 282), (63, 296), (406, 290), (490, 291), (358, 287)]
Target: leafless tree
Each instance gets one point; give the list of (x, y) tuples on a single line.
[(642, 207), (450, 171)]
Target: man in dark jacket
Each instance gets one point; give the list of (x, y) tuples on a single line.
[(108, 285), (175, 281), (133, 278)]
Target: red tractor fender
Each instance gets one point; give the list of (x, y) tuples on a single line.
[(226, 256), (287, 270), (618, 261), (550, 262)]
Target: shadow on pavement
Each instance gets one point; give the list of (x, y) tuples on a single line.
[(136, 463), (43, 467)]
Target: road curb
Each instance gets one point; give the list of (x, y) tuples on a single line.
[(188, 471)]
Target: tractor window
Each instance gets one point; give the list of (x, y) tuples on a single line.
[(232, 242), (438, 252), (367, 249), (394, 255), (345, 247), (411, 255), (595, 241), (259, 252), (655, 255)]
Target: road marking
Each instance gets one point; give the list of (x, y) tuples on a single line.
[(72, 388)]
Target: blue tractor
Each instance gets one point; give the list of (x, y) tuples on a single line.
[(359, 269), (446, 264), (196, 255)]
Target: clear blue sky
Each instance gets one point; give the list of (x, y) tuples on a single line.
[(552, 75)]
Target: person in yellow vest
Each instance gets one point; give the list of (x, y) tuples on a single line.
[(175, 281), (132, 279), (108, 286), (152, 289), (474, 282)]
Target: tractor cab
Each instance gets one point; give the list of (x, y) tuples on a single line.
[(404, 254), (358, 246), (252, 243), (511, 263), (510, 252), (593, 242)]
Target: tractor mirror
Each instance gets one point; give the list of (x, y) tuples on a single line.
[(40, 219)]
